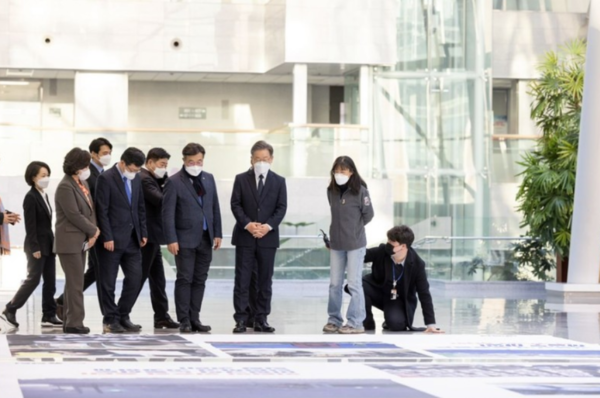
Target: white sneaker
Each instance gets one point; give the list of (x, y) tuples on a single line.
[(350, 330), (331, 328)]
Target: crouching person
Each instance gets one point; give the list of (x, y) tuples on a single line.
[(397, 277)]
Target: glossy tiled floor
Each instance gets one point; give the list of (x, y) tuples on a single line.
[(300, 307)]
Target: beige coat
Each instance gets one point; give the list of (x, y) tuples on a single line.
[(75, 217)]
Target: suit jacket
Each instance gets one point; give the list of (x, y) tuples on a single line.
[(153, 198), (38, 223), (92, 180), (414, 281), (183, 215), (247, 207), (75, 217), (117, 219)]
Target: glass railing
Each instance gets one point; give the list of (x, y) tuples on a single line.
[(475, 259), (507, 153)]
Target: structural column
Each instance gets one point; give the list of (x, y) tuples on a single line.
[(584, 258), (102, 102), (300, 135)]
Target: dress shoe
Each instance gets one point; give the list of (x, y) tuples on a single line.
[(51, 321), (59, 310), (130, 326), (167, 323), (10, 317), (369, 323), (263, 327), (185, 327), (240, 327), (77, 330), (384, 326), (197, 326), (114, 327)]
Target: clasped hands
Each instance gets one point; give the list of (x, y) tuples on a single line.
[(257, 229)]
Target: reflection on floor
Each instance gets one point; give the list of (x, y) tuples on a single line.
[(506, 345)]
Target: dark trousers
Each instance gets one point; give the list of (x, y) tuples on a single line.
[(153, 271), (36, 269), (130, 260), (394, 311), (91, 274), (192, 272), (248, 259)]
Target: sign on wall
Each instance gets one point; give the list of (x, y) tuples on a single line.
[(192, 113)]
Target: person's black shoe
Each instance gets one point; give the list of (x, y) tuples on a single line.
[(346, 290), (240, 327), (114, 327), (167, 323), (263, 327), (10, 317), (51, 321), (59, 309), (77, 330), (197, 326), (130, 326), (185, 327), (369, 324), (385, 326)]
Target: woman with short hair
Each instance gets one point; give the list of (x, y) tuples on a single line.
[(76, 232), (39, 239)]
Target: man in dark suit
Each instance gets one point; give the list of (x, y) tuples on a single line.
[(398, 275), (122, 221), (258, 203), (101, 152), (192, 225), (154, 176)]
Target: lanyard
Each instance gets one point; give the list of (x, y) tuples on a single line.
[(394, 273)]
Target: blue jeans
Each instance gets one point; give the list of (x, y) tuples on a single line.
[(350, 262)]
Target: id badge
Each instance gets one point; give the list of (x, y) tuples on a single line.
[(394, 295)]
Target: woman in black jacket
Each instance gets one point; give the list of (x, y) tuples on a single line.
[(39, 239)]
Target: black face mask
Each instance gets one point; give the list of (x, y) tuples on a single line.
[(389, 249)]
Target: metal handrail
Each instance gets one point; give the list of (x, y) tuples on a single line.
[(432, 239)]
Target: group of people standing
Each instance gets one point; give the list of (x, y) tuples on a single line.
[(120, 216)]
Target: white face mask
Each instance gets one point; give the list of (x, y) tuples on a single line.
[(262, 167), (84, 174), (160, 173), (194, 171), (341, 179), (105, 160), (130, 175), (43, 182)]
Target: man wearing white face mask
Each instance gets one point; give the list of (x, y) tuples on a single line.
[(192, 226), (122, 220), (100, 151), (258, 203), (154, 177)]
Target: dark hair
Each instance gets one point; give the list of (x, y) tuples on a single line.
[(193, 149), (259, 146), (33, 170), (77, 159), (96, 144), (355, 181), (157, 154), (402, 235), (133, 156)]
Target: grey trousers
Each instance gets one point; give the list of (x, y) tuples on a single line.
[(73, 266)]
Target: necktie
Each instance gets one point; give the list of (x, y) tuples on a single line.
[(261, 184), (127, 190)]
